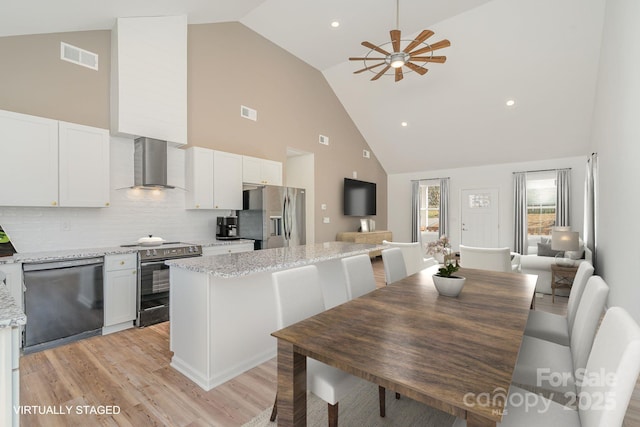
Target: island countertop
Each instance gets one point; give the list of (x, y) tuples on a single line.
[(10, 313), (246, 263)]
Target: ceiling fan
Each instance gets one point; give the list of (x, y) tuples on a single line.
[(415, 55)]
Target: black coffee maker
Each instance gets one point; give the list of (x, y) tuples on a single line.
[(227, 228)]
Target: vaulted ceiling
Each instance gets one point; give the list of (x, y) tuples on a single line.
[(543, 54)]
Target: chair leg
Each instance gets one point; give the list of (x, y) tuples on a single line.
[(333, 414), (381, 397), (274, 411)]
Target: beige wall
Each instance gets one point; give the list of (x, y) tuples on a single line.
[(229, 65)]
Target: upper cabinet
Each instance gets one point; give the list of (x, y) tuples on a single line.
[(149, 78), (213, 179), (84, 165), (261, 171), (227, 180), (49, 163)]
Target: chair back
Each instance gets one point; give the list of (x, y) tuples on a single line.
[(612, 371), (585, 270), (586, 322), (412, 253), (298, 294), (494, 259), (394, 267), (359, 275)]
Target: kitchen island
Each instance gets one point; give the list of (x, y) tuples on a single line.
[(223, 307), (11, 318)]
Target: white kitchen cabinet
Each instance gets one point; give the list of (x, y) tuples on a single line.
[(29, 160), (84, 165), (227, 180), (261, 171), (213, 179), (52, 163), (120, 286), (199, 178), (13, 280), (227, 249), (149, 78)]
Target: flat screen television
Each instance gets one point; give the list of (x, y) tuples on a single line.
[(359, 197)]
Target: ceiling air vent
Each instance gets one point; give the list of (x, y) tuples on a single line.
[(78, 56), (248, 113)]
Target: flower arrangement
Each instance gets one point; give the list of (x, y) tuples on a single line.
[(448, 269), (440, 246)]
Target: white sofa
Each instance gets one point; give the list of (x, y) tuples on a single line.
[(532, 263)]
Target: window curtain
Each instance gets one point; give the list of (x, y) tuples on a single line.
[(563, 192), (415, 211), (590, 204), (443, 228), (520, 209)]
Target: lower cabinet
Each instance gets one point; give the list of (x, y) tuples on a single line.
[(120, 285), (227, 249)]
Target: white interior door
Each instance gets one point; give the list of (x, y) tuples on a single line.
[(479, 210)]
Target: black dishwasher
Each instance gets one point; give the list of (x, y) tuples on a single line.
[(63, 302)]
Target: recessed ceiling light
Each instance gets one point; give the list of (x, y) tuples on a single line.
[(510, 103), (404, 124), (335, 24)]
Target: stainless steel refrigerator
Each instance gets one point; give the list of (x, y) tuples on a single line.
[(273, 216)]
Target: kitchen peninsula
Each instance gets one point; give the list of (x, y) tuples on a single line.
[(223, 307)]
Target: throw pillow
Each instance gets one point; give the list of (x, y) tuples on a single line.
[(544, 249)]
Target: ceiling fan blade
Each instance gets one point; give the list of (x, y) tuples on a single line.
[(374, 47), (384, 70), (420, 70), (438, 59), (398, 74), (366, 59), (439, 45), (368, 68), (395, 40), (421, 37)]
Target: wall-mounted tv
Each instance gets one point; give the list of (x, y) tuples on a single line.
[(359, 197)]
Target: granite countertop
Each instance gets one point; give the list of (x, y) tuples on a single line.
[(70, 254), (10, 313), (215, 242), (246, 263)]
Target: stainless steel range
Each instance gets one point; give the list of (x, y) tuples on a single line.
[(153, 278)]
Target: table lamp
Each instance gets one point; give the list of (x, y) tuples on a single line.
[(564, 240)]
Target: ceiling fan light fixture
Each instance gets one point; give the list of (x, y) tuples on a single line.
[(397, 59)]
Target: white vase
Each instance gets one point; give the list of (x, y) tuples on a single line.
[(448, 286)]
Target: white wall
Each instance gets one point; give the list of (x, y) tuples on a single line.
[(616, 139), (132, 214), (495, 176)]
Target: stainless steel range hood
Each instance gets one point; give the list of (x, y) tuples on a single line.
[(150, 163)]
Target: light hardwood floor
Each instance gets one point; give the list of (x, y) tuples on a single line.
[(129, 372)]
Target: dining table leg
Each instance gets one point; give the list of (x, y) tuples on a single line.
[(292, 386)]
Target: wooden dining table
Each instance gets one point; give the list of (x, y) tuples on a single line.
[(455, 354)]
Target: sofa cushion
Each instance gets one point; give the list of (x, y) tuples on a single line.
[(544, 249)]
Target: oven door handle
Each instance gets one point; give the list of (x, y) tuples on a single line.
[(145, 264)]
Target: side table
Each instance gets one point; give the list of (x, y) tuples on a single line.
[(561, 277)]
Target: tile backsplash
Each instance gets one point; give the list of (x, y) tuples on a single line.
[(133, 213)]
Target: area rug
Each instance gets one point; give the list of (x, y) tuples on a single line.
[(360, 409)]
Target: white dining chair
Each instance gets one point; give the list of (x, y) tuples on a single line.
[(298, 296), (358, 273), (394, 267), (554, 327), (611, 374), (412, 254), (537, 355), (494, 259)]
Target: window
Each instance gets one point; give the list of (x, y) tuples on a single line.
[(430, 207), (541, 205)]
